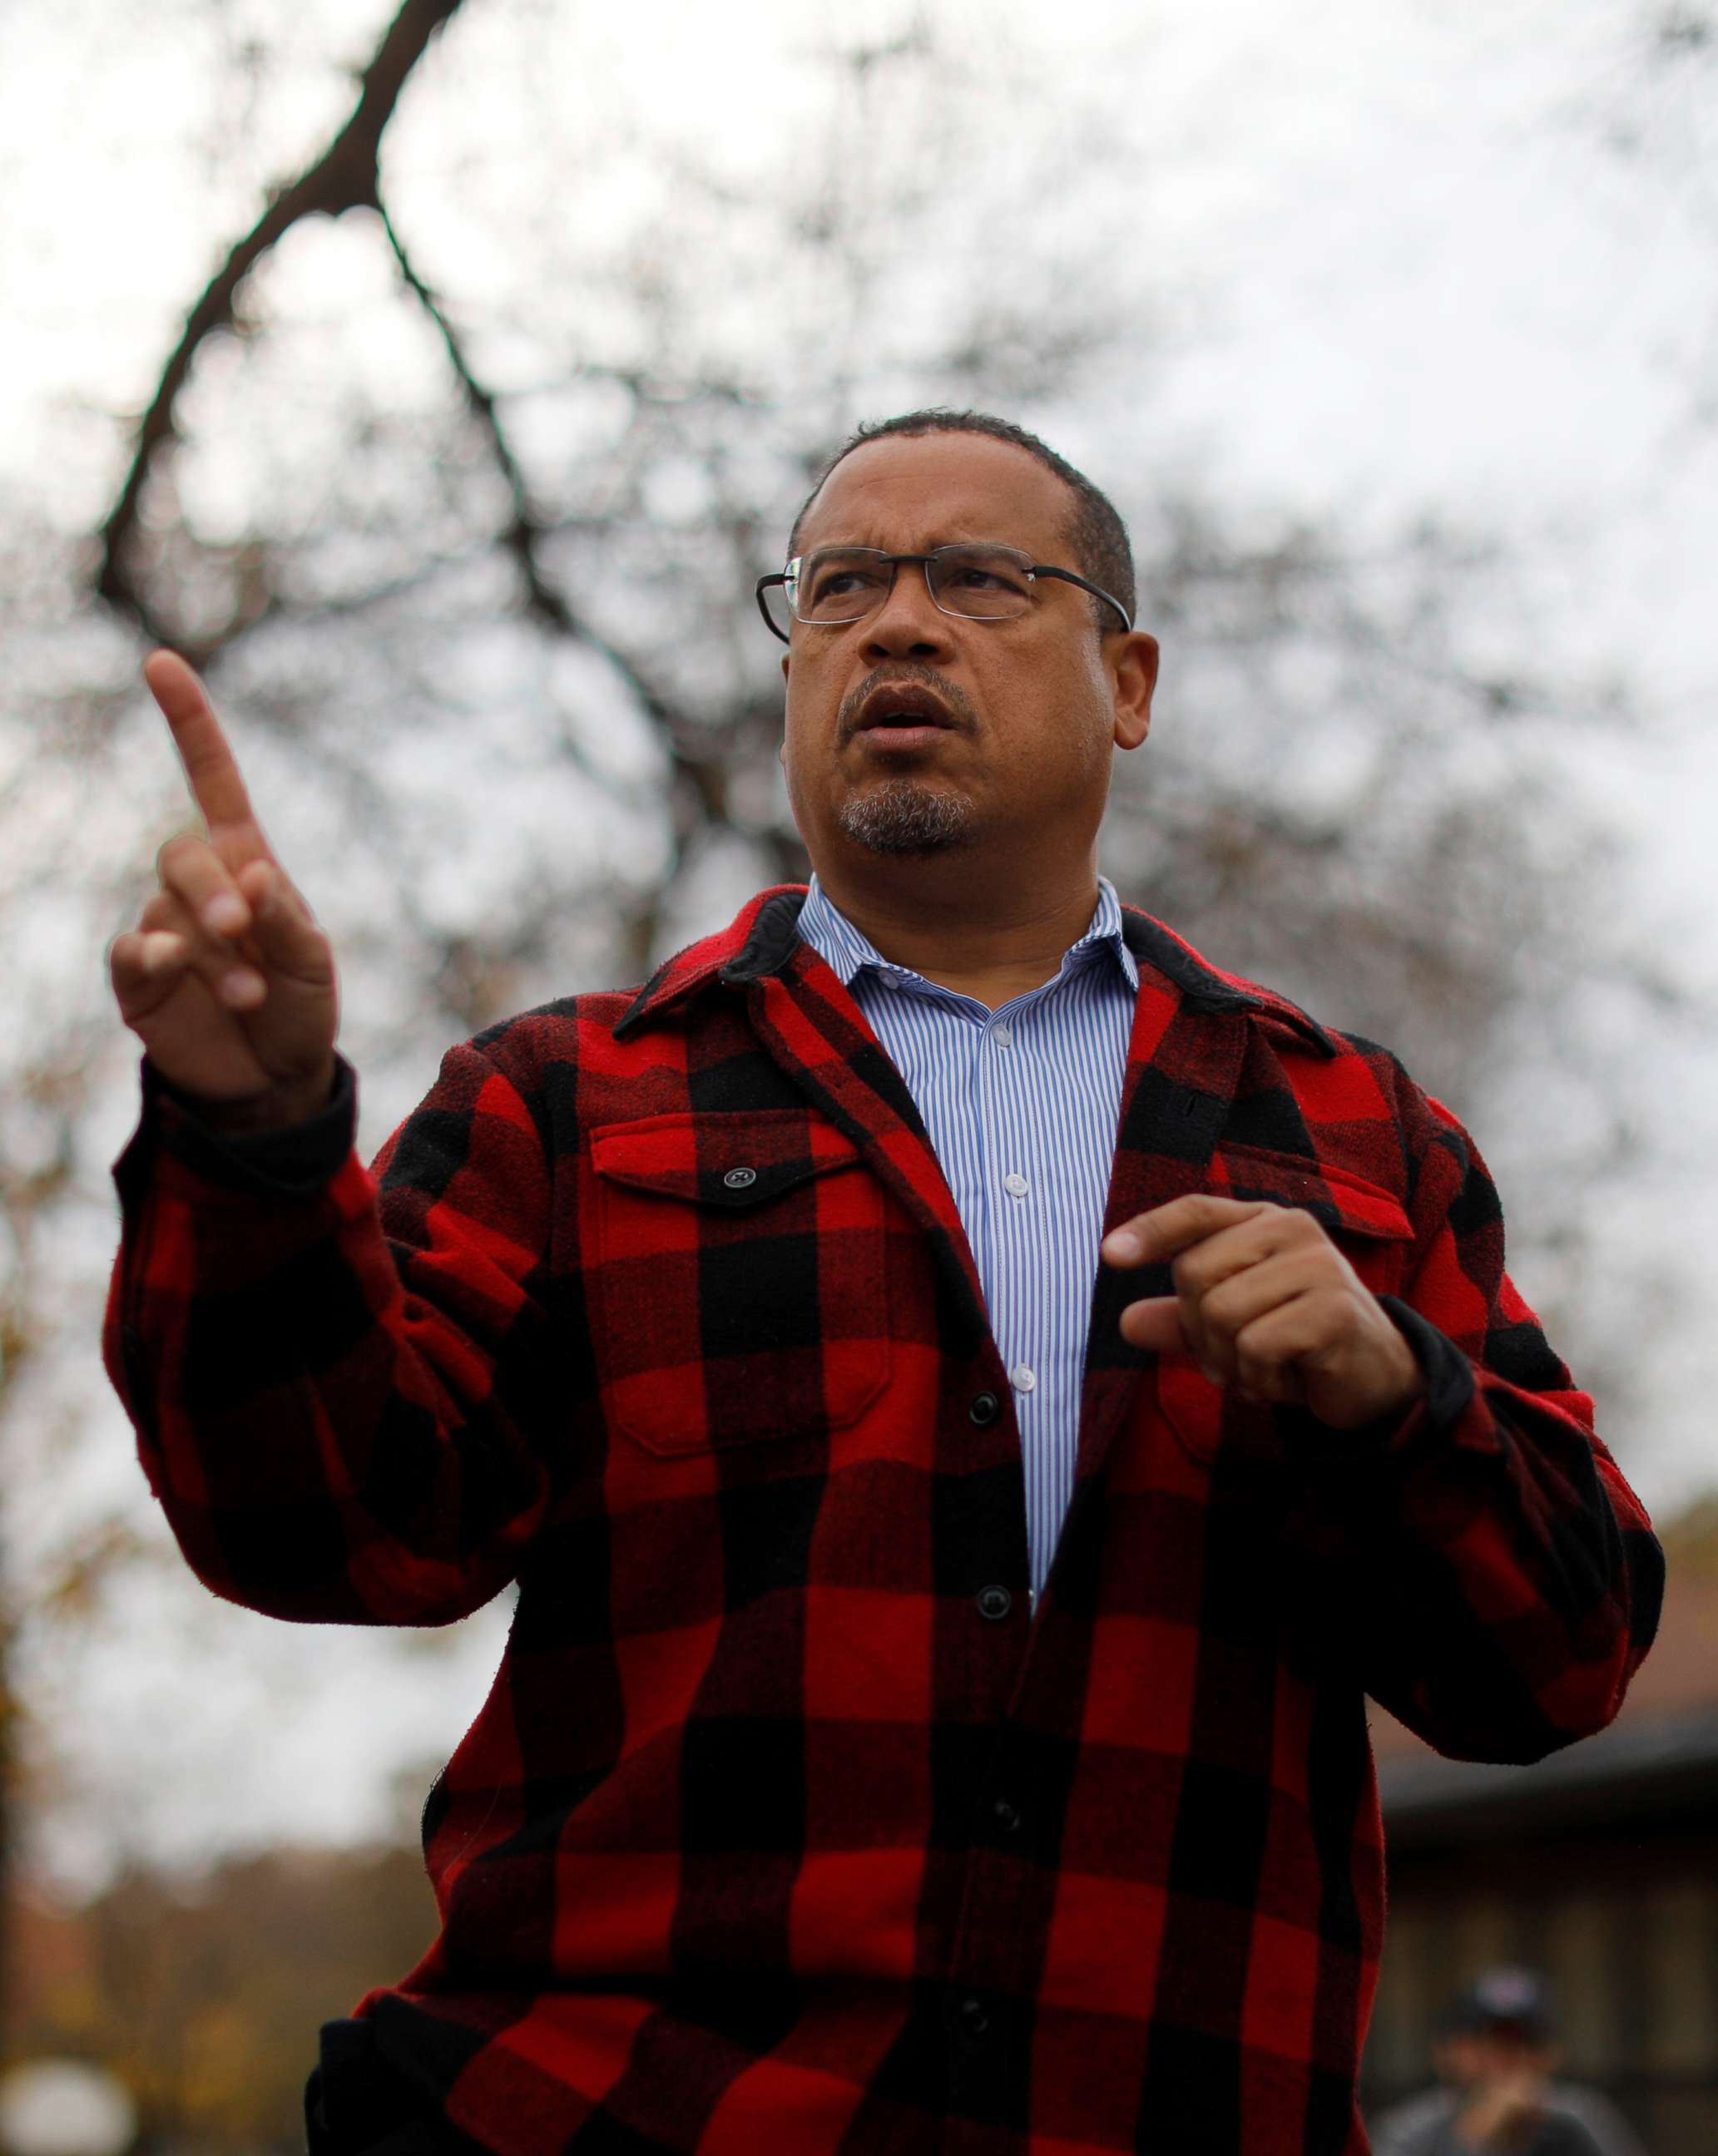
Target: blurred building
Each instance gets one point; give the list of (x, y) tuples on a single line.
[(1598, 1865)]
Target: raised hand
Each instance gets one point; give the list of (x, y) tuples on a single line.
[(1267, 1304), (1500, 2109), (227, 980)]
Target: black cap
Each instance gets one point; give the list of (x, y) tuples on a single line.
[(1517, 1999)]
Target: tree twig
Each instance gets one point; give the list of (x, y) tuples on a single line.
[(526, 534)]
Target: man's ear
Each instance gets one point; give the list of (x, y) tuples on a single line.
[(1135, 665)]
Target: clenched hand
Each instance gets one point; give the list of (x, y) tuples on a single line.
[(227, 980), (1270, 1305)]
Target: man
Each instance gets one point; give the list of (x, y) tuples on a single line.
[(933, 1718), (1495, 2056)]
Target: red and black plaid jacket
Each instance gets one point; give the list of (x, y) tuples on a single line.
[(789, 1823)]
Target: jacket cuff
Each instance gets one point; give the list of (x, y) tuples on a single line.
[(1449, 1392), (295, 1162), (1448, 1373)]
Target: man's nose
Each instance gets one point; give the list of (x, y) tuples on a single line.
[(909, 623)]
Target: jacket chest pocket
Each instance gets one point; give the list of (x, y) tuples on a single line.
[(1367, 1225), (739, 1278)]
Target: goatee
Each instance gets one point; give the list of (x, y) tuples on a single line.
[(900, 816)]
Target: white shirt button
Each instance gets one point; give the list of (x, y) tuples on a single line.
[(1016, 1186), (1022, 1377), (888, 980), (1002, 1034)]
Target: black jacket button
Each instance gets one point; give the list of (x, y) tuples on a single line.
[(974, 2019), (995, 1602), (985, 1408), (1005, 1816)]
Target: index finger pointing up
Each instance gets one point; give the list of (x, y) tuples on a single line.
[(210, 763)]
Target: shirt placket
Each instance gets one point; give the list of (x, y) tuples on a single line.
[(1012, 1261)]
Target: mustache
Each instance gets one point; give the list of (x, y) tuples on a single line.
[(904, 674)]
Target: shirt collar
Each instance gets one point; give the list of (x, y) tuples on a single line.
[(763, 939), (848, 952)]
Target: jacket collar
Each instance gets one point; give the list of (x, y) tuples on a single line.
[(763, 939), (1206, 987)]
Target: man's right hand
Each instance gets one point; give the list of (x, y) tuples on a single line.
[(1499, 2110), (226, 980)]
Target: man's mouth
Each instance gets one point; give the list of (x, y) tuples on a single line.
[(903, 715)]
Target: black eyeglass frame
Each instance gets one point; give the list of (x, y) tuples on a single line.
[(1030, 568)]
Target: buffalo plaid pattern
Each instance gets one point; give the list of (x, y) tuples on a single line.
[(791, 1824)]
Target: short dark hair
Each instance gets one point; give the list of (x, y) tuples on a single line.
[(1095, 532)]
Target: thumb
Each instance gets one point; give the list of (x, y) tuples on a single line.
[(1155, 1324)]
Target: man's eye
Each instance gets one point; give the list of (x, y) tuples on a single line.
[(981, 577), (842, 583)]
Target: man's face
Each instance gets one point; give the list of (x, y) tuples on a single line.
[(1003, 729), (1469, 2057)]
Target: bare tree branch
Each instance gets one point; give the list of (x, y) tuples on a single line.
[(342, 178), (521, 537), (703, 774), (346, 176)]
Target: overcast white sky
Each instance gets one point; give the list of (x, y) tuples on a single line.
[(1412, 257), (1408, 257)]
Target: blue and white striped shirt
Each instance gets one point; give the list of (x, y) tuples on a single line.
[(1021, 1104)]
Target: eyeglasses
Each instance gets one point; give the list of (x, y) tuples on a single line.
[(840, 584)]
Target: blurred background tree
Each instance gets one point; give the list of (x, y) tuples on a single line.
[(453, 466), (203, 1996)]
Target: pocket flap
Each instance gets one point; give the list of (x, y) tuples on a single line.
[(1335, 1198), (727, 1161)]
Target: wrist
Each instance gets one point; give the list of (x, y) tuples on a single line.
[(281, 1107)]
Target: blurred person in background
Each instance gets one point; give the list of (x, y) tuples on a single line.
[(1495, 2055), (971, 1394)]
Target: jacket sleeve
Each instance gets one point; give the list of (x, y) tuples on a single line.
[(338, 1377), (1484, 1556)]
